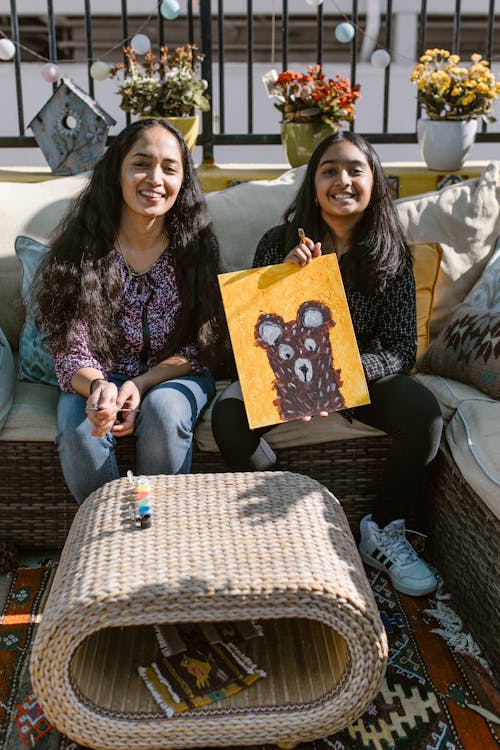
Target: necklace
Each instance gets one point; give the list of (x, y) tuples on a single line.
[(130, 271)]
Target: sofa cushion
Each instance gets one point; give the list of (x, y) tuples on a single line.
[(32, 209), (450, 393), (6, 378), (35, 360), (290, 434), (467, 349), (485, 294), (426, 262), (472, 436), (468, 346), (242, 213), (465, 220), (33, 414)]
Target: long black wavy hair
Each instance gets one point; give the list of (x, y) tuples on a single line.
[(378, 248), (79, 279)]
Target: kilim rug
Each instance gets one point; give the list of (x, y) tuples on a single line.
[(438, 693)]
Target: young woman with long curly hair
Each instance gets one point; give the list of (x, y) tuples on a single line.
[(344, 207), (129, 299)]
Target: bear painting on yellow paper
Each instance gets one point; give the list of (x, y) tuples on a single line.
[(293, 341)]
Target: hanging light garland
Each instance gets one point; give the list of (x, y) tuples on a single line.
[(380, 58), (7, 49), (99, 70), (170, 9), (345, 32)]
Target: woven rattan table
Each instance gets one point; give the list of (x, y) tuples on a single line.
[(269, 546)]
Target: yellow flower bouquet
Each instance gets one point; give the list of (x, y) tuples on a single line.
[(448, 90)]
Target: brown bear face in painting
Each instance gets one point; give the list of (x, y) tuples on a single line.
[(300, 355)]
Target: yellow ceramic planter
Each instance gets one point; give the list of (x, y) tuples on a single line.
[(188, 126)]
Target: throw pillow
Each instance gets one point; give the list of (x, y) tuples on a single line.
[(465, 220), (243, 213), (6, 378), (426, 262), (485, 294), (35, 361), (33, 209), (467, 349)]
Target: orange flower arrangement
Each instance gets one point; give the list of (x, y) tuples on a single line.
[(314, 97)]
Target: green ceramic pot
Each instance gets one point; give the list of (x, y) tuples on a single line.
[(301, 138)]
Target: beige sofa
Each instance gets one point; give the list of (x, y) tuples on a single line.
[(464, 494)]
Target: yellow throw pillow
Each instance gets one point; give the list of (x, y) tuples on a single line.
[(427, 258)]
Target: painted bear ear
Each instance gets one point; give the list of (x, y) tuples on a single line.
[(313, 314), (269, 331)]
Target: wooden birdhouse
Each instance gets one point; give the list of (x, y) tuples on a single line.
[(71, 129)]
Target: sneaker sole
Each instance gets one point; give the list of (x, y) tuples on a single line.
[(399, 587)]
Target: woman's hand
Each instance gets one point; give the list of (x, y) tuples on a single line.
[(128, 398), (102, 408), (321, 414), (305, 251)]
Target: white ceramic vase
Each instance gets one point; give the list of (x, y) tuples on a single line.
[(446, 144)]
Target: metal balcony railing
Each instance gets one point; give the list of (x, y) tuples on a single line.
[(251, 35)]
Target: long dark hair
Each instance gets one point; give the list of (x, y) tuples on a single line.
[(79, 279), (378, 247)]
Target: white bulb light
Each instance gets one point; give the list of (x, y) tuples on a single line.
[(50, 72), (314, 3), (380, 58), (140, 43), (344, 32), (170, 9), (99, 70), (7, 49)]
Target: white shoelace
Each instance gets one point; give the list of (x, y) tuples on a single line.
[(395, 545)]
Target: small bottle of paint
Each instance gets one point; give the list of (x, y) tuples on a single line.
[(143, 510)]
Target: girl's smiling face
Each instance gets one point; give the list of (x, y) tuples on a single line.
[(151, 173), (343, 182)]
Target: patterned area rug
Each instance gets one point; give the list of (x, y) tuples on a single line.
[(438, 693)]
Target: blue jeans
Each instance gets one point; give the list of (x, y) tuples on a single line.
[(163, 431)]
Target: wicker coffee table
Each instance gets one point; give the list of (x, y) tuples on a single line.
[(269, 546)]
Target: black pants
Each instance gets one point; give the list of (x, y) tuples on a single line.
[(400, 406)]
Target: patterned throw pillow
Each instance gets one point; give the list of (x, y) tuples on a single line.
[(468, 349), (468, 346), (35, 361)]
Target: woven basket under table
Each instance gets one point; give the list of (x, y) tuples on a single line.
[(273, 546)]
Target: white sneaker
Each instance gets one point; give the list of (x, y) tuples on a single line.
[(388, 549)]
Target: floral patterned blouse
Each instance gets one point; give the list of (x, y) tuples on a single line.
[(148, 312), (385, 323)]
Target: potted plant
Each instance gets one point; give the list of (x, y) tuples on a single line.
[(312, 106), (454, 96), (164, 85)]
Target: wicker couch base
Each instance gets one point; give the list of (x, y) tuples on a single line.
[(38, 508), (464, 537)]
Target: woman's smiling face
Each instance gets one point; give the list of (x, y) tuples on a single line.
[(343, 182), (151, 173)]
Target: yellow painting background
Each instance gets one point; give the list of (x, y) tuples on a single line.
[(281, 289)]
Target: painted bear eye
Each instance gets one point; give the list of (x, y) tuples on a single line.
[(310, 344), (285, 351)]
